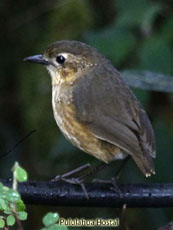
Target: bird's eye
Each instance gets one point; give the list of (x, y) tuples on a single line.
[(60, 59)]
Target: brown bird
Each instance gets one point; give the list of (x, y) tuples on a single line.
[(93, 106)]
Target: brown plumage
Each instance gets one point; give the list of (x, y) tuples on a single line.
[(93, 106)]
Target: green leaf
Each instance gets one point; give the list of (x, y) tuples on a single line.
[(150, 16), (12, 195), (1, 187), (3, 204), (20, 205), (21, 174), (57, 227), (10, 220), (50, 218), (139, 13), (5, 190), (2, 223), (22, 215), (8, 212), (62, 227)]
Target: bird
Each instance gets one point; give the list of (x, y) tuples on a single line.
[(93, 106)]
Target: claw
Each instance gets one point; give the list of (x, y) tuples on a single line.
[(77, 182), (116, 188), (113, 181)]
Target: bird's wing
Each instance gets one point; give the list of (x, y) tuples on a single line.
[(113, 114)]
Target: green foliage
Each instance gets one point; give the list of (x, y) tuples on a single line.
[(79, 20), (11, 204), (7, 196), (10, 220), (2, 222), (141, 13), (121, 42), (50, 222), (21, 174), (50, 219), (116, 44), (155, 55), (22, 215)]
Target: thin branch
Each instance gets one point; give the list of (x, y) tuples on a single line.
[(17, 143), (19, 224), (100, 194)]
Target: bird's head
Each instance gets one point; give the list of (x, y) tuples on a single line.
[(67, 60)]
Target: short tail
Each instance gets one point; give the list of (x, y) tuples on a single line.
[(145, 164)]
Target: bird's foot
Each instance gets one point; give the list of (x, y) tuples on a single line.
[(115, 186), (78, 180), (112, 181)]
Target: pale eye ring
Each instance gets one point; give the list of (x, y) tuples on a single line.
[(60, 59)]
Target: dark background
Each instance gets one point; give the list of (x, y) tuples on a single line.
[(134, 34)]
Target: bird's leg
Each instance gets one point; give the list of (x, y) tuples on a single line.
[(114, 180), (93, 170), (80, 180), (118, 173), (120, 169), (72, 172)]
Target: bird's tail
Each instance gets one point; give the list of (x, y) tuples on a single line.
[(145, 163)]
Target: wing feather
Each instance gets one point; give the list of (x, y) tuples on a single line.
[(106, 104)]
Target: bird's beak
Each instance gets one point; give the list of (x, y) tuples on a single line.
[(37, 59)]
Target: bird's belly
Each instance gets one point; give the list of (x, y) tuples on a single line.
[(80, 135)]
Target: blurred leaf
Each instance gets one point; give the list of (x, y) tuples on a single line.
[(10, 220), (63, 227), (22, 215), (3, 204), (155, 55), (8, 212), (115, 43), (57, 227), (20, 205), (149, 17), (70, 20), (2, 222), (1, 187), (21, 174), (50, 219), (12, 195), (167, 30), (137, 13)]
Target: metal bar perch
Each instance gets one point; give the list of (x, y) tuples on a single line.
[(100, 194)]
